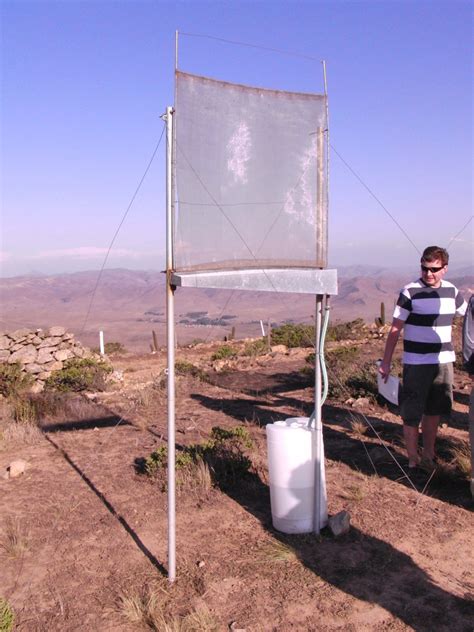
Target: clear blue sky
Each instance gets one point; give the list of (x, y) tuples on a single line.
[(84, 85)]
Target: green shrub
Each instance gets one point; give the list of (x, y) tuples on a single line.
[(223, 453), (256, 348), (79, 374), (183, 367), (12, 379), (7, 616), (293, 335), (111, 348), (345, 331), (225, 352)]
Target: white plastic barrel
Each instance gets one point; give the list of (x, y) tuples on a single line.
[(292, 472)]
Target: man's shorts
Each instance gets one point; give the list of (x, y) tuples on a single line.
[(427, 390)]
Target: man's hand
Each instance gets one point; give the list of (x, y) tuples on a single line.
[(384, 370)]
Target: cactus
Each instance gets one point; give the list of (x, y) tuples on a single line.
[(155, 341), (380, 320)]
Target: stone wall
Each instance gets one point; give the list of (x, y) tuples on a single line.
[(40, 352)]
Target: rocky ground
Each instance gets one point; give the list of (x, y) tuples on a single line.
[(83, 532)]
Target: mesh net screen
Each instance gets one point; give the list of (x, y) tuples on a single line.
[(250, 174)]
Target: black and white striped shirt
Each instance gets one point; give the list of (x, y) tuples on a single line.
[(428, 314)]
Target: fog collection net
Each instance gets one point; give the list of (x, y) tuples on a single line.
[(250, 177)]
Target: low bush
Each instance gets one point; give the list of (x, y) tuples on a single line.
[(225, 352), (12, 379), (183, 367), (223, 453), (111, 348), (293, 335), (256, 348), (350, 330), (79, 374)]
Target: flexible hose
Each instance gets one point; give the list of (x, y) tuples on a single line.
[(321, 351), (321, 360)]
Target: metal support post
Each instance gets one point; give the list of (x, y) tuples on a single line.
[(170, 340), (318, 427)]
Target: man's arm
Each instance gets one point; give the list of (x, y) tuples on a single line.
[(392, 339)]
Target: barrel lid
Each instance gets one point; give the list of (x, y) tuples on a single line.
[(292, 422)]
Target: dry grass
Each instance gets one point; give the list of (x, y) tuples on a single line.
[(460, 452), (14, 538), (277, 552), (7, 616), (152, 609), (358, 426), (354, 492), (20, 434), (203, 478)]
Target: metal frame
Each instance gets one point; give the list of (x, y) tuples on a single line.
[(319, 282)]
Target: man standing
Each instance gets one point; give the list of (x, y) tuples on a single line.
[(425, 309)]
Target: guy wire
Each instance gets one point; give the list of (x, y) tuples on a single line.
[(247, 45), (118, 230), (374, 196)]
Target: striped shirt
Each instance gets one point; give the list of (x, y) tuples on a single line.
[(428, 314)]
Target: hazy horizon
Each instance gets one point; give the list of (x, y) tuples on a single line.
[(84, 85)]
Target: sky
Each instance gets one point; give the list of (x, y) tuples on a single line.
[(83, 86)]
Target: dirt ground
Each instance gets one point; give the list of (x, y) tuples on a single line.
[(83, 534)]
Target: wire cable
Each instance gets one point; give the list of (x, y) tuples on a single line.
[(248, 45), (461, 231), (118, 230), (356, 175)]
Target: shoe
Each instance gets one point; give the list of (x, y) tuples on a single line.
[(427, 464)]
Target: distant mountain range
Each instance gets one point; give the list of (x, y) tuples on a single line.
[(128, 304)]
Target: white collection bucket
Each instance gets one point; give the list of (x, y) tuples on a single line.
[(292, 469)]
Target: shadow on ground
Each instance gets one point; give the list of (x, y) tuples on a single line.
[(359, 454), (367, 568)]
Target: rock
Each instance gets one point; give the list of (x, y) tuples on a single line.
[(50, 342), (36, 340), (68, 336), (53, 366), (16, 346), (19, 334), (350, 401), (5, 342), (220, 365), (79, 352), (56, 331), (16, 468), (44, 375), (279, 349), (63, 354), (361, 402), (116, 376), (25, 355), (45, 355), (37, 387), (4, 355), (33, 368), (340, 523)]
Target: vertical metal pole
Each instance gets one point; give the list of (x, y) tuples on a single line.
[(321, 221), (170, 339), (318, 427), (101, 343), (326, 230), (176, 50)]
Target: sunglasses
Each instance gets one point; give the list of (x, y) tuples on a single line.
[(432, 269)]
